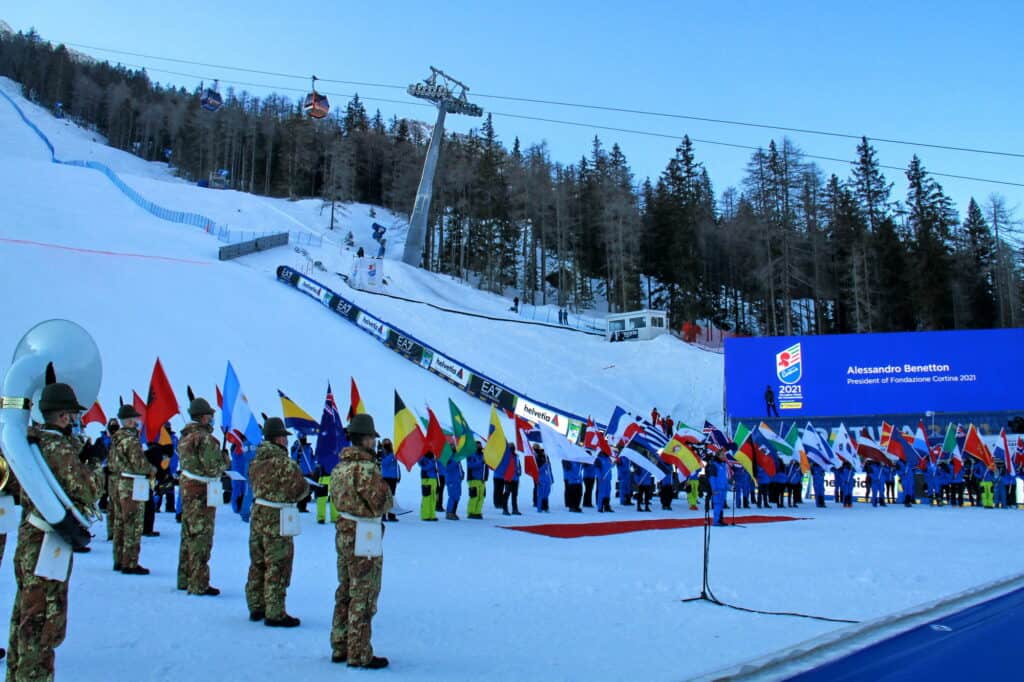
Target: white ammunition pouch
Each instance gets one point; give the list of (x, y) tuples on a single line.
[(140, 486), (369, 535), (54, 561), (290, 523), (214, 494)]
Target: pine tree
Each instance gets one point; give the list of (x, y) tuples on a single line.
[(930, 219), (976, 261)]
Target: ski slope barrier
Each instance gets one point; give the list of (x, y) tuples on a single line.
[(222, 233), (452, 370)]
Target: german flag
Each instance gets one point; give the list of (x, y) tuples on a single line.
[(356, 406), (679, 454), (409, 441), (745, 454)]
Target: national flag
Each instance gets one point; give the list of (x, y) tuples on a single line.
[(951, 450), (616, 430), (765, 455), (165, 436), (594, 440), (741, 433), (714, 439), (409, 442), (331, 437), (792, 437), (497, 443), (688, 434), (867, 448), (976, 448), (295, 417), (140, 406), (463, 444), (161, 404), (679, 454), (1007, 455), (356, 405), (436, 440), (527, 435), (899, 446), (887, 430), (845, 446), (558, 447), (640, 454), (779, 446), (94, 415), (1018, 455), (746, 454), (236, 416), (813, 449), (920, 443), (653, 437)]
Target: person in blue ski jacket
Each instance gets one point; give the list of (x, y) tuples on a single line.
[(718, 479), (956, 484), (589, 480), (999, 484), (763, 487), (428, 487), (603, 471), (874, 474), (453, 476), (743, 486), (944, 483), (390, 472), (625, 481), (794, 475), (844, 484), (666, 486), (907, 473), (238, 465), (510, 469), (302, 453), (818, 484), (476, 474), (572, 476), (545, 479), (644, 482)]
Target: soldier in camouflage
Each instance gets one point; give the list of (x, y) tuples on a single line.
[(39, 616), (277, 485), (202, 465), (112, 477), (359, 492), (126, 455)]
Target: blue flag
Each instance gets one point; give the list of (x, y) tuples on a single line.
[(331, 438)]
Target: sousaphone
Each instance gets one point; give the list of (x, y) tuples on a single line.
[(64, 349)]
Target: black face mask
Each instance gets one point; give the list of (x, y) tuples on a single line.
[(68, 430)]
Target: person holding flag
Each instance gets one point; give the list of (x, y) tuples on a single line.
[(510, 470), (453, 477), (302, 454), (428, 486), (572, 477), (390, 471), (603, 473), (476, 472), (545, 479)]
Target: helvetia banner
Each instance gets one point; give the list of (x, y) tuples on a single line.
[(863, 374)]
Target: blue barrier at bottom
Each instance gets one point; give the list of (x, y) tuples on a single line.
[(976, 643)]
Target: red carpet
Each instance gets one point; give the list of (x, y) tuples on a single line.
[(582, 530)]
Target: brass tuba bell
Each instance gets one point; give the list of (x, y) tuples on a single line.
[(5, 472)]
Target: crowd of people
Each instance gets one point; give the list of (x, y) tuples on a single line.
[(274, 483)]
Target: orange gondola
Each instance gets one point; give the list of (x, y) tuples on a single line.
[(210, 99), (316, 105)]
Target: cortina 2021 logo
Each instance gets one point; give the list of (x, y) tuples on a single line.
[(788, 366)]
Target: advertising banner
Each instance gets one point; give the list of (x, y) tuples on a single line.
[(865, 374)]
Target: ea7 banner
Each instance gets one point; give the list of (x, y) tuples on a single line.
[(865, 374)]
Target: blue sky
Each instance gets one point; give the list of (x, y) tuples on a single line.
[(940, 72)]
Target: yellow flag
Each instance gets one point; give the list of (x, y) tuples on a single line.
[(497, 444)]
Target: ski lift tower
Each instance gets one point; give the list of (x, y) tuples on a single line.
[(449, 95)]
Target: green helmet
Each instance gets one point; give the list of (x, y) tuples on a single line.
[(274, 427), (198, 407), (362, 425), (59, 397), (127, 412)]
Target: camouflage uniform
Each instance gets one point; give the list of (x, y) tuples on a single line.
[(113, 476), (39, 617), (199, 454), (357, 488), (126, 453), (274, 477)]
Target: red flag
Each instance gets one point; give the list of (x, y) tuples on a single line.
[(220, 398), (524, 446), (435, 438), (161, 405), (976, 448), (356, 405), (887, 430), (593, 439), (94, 415), (1007, 455), (140, 406), (764, 460), (1018, 455)]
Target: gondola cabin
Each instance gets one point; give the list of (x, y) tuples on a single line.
[(211, 100), (316, 105)]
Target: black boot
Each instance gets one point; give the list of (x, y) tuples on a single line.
[(373, 664), (285, 621)]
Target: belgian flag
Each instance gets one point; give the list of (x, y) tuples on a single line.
[(409, 441)]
